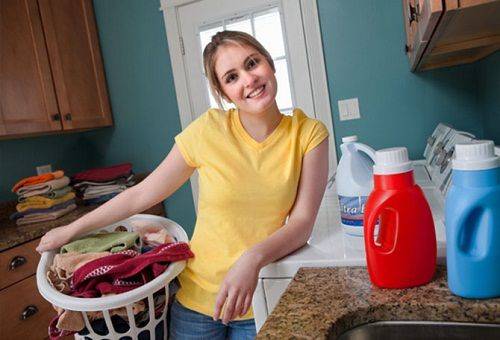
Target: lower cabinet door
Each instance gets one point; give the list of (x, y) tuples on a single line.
[(24, 314)]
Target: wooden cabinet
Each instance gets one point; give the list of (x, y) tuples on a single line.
[(24, 313), (52, 77), (442, 33), (27, 98)]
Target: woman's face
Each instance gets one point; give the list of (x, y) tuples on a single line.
[(246, 77)]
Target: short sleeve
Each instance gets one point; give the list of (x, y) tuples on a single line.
[(188, 142), (314, 134)]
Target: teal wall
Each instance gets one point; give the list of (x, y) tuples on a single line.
[(141, 87), (363, 48), (363, 44), (19, 157), (489, 96)]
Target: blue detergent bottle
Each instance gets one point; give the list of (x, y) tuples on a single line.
[(473, 222)]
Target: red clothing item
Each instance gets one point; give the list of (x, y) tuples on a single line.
[(103, 174), (125, 270)]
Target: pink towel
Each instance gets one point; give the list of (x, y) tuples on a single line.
[(103, 174)]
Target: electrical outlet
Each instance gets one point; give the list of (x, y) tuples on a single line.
[(349, 109), (43, 169)]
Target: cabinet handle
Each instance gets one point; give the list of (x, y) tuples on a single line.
[(28, 311), (67, 116), (16, 262), (56, 117), (414, 12)]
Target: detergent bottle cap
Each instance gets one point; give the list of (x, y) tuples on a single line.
[(349, 139), (391, 161), (475, 155)]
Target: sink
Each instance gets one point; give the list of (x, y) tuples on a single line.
[(410, 330)]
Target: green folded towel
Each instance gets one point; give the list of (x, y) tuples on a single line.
[(113, 242)]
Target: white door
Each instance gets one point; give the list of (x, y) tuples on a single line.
[(278, 25)]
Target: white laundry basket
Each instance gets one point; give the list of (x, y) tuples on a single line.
[(105, 304)]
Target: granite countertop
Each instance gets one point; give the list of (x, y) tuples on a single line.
[(12, 235), (323, 303)]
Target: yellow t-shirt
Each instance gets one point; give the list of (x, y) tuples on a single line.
[(246, 191)]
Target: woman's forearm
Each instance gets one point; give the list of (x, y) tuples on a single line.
[(284, 241), (160, 184), (118, 208)]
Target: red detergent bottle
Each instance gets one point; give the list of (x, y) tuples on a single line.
[(403, 254)]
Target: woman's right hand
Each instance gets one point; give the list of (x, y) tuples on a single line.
[(55, 238)]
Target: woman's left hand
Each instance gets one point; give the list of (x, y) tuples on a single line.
[(237, 289)]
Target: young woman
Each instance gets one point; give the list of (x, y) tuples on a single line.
[(262, 176)]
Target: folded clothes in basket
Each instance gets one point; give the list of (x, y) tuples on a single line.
[(64, 265), (116, 273), (73, 321), (126, 270), (151, 234), (113, 242)]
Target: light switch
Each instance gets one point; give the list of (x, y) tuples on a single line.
[(349, 109), (43, 169)]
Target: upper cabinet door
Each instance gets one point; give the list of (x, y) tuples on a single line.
[(27, 101), (421, 18), (468, 31), (75, 57), (443, 33)]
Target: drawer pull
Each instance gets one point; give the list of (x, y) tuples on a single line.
[(16, 262), (414, 12), (29, 311)]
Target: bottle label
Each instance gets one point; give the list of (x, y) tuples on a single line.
[(352, 210)]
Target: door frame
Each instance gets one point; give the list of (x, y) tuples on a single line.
[(315, 60)]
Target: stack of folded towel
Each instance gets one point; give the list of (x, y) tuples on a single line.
[(44, 197), (99, 185)]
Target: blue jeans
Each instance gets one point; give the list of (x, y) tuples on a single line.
[(186, 324)]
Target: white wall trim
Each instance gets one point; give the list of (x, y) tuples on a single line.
[(179, 72), (317, 70), (174, 3), (316, 64)]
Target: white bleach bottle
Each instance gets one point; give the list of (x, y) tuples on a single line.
[(354, 180)]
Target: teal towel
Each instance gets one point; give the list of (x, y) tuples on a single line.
[(113, 242)]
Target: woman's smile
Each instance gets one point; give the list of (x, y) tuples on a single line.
[(257, 92), (246, 78)]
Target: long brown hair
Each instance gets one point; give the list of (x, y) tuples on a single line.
[(220, 39)]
